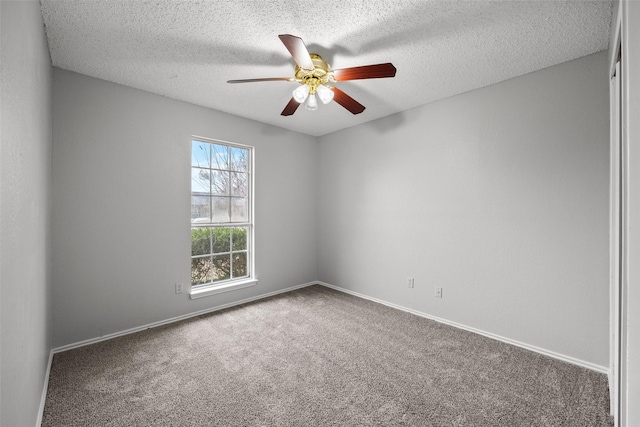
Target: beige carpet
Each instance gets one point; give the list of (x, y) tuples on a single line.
[(317, 357)]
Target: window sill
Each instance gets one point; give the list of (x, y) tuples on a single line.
[(206, 291)]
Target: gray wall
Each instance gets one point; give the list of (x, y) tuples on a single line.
[(25, 197), (121, 206), (499, 195)]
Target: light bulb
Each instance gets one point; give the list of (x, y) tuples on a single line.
[(301, 93), (312, 103), (325, 94)]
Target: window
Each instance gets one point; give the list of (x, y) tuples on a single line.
[(221, 216)]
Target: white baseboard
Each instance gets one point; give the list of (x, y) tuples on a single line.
[(43, 398), (175, 319), (545, 352)]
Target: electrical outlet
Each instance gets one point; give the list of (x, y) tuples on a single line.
[(178, 288), (438, 292), (410, 282)]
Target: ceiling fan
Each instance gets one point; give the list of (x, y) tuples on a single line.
[(314, 75)]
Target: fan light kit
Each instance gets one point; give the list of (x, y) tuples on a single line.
[(315, 76)]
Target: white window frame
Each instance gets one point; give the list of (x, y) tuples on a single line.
[(203, 290)]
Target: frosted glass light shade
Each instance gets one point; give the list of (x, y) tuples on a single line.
[(325, 94), (301, 93), (312, 103)]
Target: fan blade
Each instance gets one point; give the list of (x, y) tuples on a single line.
[(291, 108), (376, 71), (346, 101), (298, 51), (266, 79)]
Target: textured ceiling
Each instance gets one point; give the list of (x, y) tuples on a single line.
[(187, 50)]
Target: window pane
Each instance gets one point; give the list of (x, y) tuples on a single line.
[(239, 239), (239, 264), (220, 191), (200, 154), (200, 241), (200, 179), (220, 209), (221, 240), (200, 209), (201, 271), (239, 159), (220, 183), (221, 267), (238, 209), (219, 156), (239, 184)]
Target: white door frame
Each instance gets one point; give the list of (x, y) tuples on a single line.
[(617, 217), (615, 188)]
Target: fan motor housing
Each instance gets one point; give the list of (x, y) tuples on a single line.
[(320, 75)]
